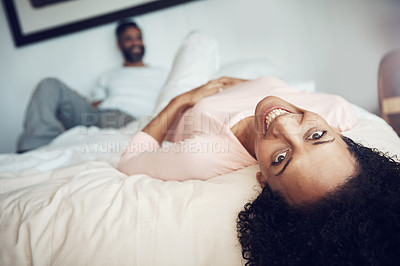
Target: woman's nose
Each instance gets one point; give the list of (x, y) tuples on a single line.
[(288, 125)]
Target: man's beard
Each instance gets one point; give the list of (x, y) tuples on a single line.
[(131, 56)]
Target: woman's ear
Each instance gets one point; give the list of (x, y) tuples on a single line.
[(260, 179)]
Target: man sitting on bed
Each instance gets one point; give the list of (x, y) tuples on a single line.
[(121, 96)]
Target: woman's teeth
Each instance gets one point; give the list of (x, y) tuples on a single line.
[(272, 115)]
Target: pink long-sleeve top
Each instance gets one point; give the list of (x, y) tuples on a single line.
[(203, 146)]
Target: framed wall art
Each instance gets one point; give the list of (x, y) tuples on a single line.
[(35, 20)]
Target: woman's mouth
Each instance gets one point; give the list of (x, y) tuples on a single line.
[(273, 113)]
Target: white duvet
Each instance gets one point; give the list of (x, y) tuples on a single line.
[(92, 214)]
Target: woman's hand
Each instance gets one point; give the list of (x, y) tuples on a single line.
[(212, 87), (160, 125)]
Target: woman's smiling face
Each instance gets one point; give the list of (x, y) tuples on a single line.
[(299, 154)]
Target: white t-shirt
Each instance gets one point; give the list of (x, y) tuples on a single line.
[(133, 90)]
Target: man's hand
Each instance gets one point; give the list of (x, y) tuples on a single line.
[(96, 104)]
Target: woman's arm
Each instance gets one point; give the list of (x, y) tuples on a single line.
[(181, 160), (160, 125)]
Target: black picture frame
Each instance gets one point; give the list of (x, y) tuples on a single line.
[(21, 39)]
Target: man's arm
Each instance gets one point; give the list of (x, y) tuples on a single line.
[(100, 91)]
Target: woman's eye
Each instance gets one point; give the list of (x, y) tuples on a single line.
[(279, 158), (317, 135)]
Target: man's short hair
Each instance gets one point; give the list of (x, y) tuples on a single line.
[(123, 25)]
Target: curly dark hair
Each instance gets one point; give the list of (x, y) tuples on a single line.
[(357, 224)]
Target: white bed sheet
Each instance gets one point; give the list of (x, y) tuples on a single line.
[(74, 146)]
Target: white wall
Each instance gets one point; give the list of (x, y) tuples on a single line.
[(337, 43)]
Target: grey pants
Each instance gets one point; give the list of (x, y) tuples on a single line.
[(54, 108)]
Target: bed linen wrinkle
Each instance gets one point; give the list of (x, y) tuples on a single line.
[(175, 208), (102, 224), (155, 221), (146, 217)]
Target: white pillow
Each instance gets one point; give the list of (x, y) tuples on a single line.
[(257, 68), (202, 49), (372, 131), (248, 69), (185, 75)]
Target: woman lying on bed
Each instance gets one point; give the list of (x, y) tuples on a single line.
[(325, 199)]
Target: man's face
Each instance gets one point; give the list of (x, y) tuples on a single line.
[(131, 45)]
